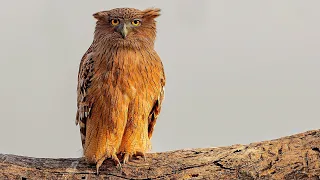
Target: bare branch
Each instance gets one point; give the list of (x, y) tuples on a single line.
[(292, 157)]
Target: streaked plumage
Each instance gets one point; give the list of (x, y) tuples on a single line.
[(120, 86)]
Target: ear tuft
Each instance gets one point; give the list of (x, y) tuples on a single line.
[(151, 12), (100, 15)]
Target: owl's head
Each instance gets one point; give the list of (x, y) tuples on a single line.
[(126, 26)]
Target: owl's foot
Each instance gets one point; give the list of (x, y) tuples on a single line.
[(127, 156), (115, 160), (141, 154)]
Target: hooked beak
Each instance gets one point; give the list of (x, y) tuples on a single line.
[(122, 29)]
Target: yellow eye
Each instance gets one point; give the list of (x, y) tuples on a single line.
[(136, 22), (115, 22)]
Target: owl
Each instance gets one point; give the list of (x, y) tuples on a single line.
[(120, 86)]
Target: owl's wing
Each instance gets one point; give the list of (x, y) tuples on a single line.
[(84, 80), (155, 110)]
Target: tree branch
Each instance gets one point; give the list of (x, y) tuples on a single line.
[(292, 157)]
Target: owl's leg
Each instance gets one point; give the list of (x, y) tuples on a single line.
[(135, 142)]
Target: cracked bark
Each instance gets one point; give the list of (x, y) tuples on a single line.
[(292, 157)]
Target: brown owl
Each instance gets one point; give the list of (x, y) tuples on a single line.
[(120, 86)]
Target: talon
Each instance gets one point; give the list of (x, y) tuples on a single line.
[(126, 158), (116, 162), (119, 167), (97, 170), (99, 163)]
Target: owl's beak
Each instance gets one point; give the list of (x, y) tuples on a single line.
[(123, 30)]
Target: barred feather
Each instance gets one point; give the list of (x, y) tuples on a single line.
[(84, 82)]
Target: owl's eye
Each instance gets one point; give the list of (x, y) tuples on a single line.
[(115, 22), (136, 22)]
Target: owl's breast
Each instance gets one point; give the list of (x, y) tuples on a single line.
[(136, 71), (130, 72)]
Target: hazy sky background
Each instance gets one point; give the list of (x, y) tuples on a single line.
[(237, 71)]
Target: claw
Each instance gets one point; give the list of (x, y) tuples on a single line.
[(97, 170), (142, 154), (99, 163), (116, 162), (126, 158), (119, 167)]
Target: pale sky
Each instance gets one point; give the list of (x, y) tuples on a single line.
[(237, 71)]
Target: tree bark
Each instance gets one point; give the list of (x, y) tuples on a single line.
[(292, 157)]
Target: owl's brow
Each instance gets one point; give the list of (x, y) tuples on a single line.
[(136, 16), (125, 18)]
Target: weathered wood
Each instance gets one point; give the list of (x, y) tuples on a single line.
[(292, 157)]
